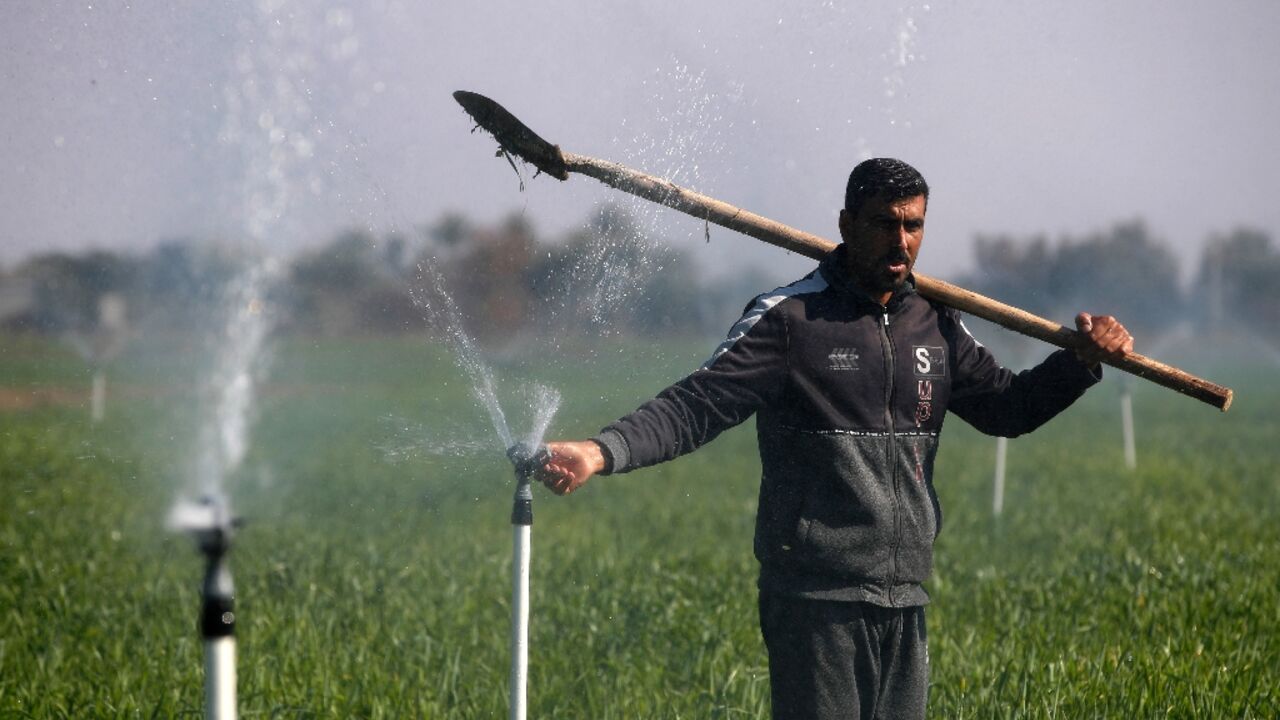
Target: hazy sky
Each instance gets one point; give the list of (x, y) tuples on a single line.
[(277, 123)]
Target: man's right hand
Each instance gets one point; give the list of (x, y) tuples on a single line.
[(571, 465), (1104, 338)]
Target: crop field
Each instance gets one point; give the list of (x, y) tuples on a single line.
[(372, 572)]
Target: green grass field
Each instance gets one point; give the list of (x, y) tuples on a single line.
[(373, 573)]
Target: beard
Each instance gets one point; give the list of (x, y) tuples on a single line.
[(886, 273)]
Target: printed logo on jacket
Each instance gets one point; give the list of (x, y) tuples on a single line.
[(928, 362), (843, 358)]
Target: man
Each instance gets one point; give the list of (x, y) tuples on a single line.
[(851, 373)]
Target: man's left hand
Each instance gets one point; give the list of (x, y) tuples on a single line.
[(1104, 338)]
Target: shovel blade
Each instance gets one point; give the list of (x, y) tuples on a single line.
[(514, 136)]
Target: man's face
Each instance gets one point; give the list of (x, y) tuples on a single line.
[(884, 240)]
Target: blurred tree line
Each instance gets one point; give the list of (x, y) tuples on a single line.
[(1127, 272), (507, 280)]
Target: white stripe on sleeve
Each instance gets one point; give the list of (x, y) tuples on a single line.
[(965, 328), (812, 284)]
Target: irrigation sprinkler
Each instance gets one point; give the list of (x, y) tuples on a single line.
[(517, 139), (527, 460), (210, 524), (102, 345)]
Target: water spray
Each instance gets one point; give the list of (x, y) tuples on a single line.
[(209, 522), (526, 459)]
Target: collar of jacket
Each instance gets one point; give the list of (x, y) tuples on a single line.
[(835, 270)]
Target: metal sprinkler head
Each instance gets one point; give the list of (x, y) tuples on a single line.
[(527, 458), (208, 520)]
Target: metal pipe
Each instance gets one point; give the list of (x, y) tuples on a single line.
[(519, 622)]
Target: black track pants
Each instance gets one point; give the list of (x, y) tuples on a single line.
[(832, 659)]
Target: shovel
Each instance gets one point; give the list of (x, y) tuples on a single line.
[(517, 140)]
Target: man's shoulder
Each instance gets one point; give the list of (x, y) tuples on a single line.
[(945, 313), (922, 312), (806, 287)]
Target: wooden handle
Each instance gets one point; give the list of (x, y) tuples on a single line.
[(1051, 332), (721, 213)]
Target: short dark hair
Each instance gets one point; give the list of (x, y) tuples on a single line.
[(893, 177)]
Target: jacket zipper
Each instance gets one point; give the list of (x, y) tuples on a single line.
[(893, 451)]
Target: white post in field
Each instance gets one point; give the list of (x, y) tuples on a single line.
[(1002, 450), (98, 398), (1126, 419)]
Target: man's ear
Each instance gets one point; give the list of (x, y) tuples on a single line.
[(846, 225)]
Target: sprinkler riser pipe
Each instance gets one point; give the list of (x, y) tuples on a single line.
[(220, 678), (521, 547)]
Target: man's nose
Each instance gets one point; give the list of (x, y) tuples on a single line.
[(904, 237)]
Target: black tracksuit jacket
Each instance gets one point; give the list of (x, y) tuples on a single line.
[(851, 396)]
